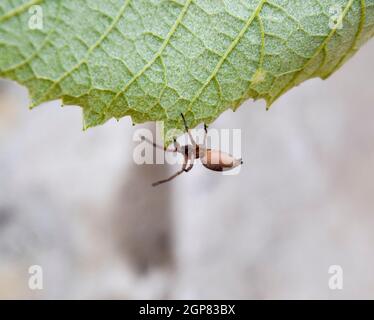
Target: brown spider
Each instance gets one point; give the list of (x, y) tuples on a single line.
[(215, 160)]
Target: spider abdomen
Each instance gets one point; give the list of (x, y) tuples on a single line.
[(219, 161)]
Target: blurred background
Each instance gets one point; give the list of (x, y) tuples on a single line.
[(76, 204)]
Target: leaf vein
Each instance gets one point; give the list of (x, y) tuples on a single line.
[(19, 10), (158, 53), (89, 51), (228, 51), (353, 48), (38, 50), (318, 51)]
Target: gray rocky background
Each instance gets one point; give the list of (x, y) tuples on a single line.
[(75, 203)]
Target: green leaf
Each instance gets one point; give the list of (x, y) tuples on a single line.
[(155, 59)]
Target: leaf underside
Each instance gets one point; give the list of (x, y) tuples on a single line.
[(155, 59)]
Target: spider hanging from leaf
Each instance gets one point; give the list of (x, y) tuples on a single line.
[(215, 160)]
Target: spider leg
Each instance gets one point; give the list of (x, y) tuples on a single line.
[(173, 176), (188, 131), (189, 167), (155, 145), (190, 164), (205, 134), (176, 145)]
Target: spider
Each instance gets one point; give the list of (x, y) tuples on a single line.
[(215, 160)]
